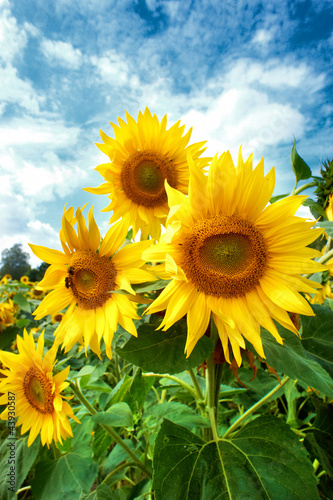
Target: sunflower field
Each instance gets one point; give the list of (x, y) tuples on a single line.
[(185, 354)]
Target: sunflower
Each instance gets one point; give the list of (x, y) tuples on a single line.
[(56, 318), (25, 280), (231, 255), (5, 279), (143, 155), (7, 311), (36, 294), (88, 277), (35, 391)]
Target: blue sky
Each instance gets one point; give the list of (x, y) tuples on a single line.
[(252, 73)]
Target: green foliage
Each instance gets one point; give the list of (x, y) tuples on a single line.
[(262, 461), (22, 460), (163, 352), (301, 170), (63, 478), (14, 261)]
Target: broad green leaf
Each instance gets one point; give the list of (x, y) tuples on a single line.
[(292, 359), (22, 322), (7, 336), (324, 418), (327, 225), (315, 208), (178, 413), (150, 286), (163, 352), (21, 301), (15, 453), (101, 441), (136, 395), (119, 392), (265, 460), (117, 456), (317, 336), (118, 415), (86, 370), (301, 170), (63, 478), (320, 446)]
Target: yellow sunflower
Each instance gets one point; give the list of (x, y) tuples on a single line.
[(36, 294), (144, 154), (88, 277), (5, 279), (25, 280), (56, 318), (33, 393), (7, 311), (231, 255)]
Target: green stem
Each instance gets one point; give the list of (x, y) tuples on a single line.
[(211, 383), (322, 260), (21, 490), (255, 407), (77, 391), (302, 188), (175, 379), (196, 384)]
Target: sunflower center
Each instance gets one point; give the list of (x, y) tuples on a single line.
[(38, 391), (143, 177), (91, 278), (224, 256), (37, 293)]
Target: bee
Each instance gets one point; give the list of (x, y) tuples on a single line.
[(71, 270), (67, 282)]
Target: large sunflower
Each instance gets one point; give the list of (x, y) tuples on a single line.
[(87, 277), (33, 393), (231, 255), (143, 155)]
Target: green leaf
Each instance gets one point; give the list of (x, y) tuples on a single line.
[(103, 492), (292, 359), (136, 395), (150, 286), (327, 225), (22, 302), (301, 170), (317, 336), (324, 419), (63, 478), (8, 336), (320, 446), (101, 441), (24, 457), (315, 208), (278, 197), (118, 415), (178, 413), (163, 352), (117, 456), (265, 460), (22, 322)]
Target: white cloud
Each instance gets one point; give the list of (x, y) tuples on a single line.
[(62, 53), (16, 91), (112, 68), (13, 39)]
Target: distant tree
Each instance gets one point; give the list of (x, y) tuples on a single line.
[(14, 261), (37, 273)]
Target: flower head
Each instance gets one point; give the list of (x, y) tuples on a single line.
[(36, 391), (25, 280), (231, 255), (88, 277), (143, 155), (7, 311)]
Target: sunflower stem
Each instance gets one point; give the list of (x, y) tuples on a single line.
[(256, 406), (175, 379), (196, 385), (302, 188), (77, 391), (211, 384)]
